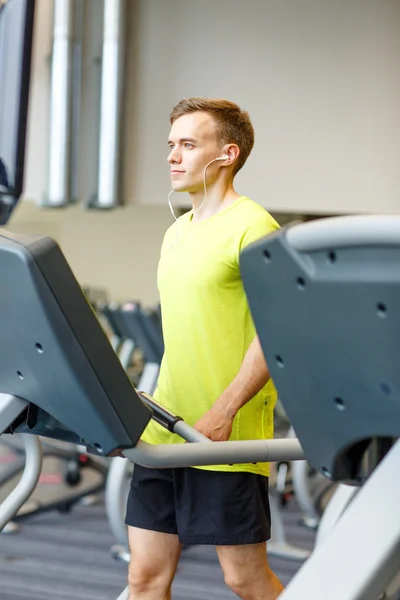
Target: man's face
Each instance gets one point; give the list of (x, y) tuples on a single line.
[(193, 144)]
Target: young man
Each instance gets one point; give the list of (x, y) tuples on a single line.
[(213, 372)]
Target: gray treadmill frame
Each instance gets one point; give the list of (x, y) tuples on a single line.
[(334, 277), (360, 557)]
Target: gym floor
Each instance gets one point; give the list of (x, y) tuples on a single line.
[(67, 557)]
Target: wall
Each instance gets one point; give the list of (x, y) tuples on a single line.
[(320, 80)]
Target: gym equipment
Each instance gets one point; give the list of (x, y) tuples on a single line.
[(61, 378), (312, 490), (139, 325), (335, 509), (344, 494), (110, 313), (130, 321), (121, 341), (68, 476), (324, 299)]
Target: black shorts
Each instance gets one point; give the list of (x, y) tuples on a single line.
[(202, 507)]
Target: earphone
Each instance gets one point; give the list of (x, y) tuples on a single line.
[(224, 157)]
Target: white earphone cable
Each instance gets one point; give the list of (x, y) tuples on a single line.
[(193, 211)]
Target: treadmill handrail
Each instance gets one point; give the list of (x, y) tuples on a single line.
[(348, 231), (217, 453), (26, 485)]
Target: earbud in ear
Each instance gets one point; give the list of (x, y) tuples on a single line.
[(224, 157)]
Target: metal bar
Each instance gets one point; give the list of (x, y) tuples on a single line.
[(188, 433), (201, 454), (30, 477), (115, 498)]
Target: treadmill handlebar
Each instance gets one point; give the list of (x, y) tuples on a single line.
[(205, 452), (345, 231), (214, 453), (160, 414)]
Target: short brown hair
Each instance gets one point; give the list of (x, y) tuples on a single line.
[(233, 124)]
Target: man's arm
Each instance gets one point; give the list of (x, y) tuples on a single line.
[(216, 424)]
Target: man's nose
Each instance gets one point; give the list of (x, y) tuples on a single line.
[(174, 156)]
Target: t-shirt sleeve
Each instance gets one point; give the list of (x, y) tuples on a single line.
[(261, 226)]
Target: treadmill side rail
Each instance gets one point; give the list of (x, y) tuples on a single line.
[(203, 453)]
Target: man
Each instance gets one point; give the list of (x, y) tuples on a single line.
[(213, 372)]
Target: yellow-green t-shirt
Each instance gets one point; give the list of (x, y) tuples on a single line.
[(207, 324)]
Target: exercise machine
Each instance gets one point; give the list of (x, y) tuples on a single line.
[(123, 344), (324, 298), (310, 489), (61, 378), (134, 324), (69, 476)]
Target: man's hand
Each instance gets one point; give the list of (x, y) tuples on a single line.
[(216, 424), (117, 452)]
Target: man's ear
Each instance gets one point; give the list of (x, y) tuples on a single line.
[(231, 151)]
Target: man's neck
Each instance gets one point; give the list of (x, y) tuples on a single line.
[(216, 200)]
